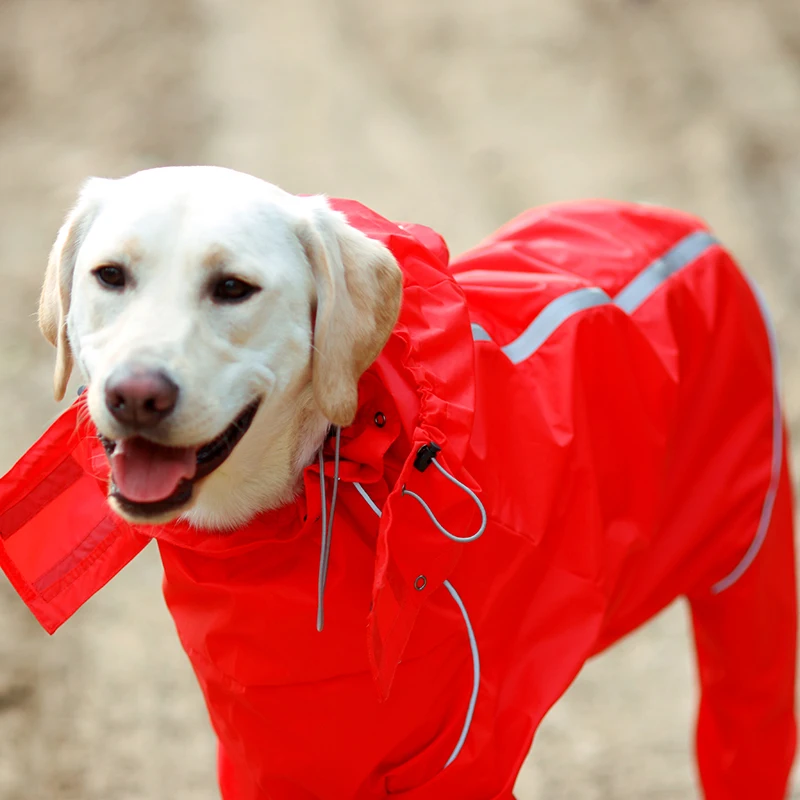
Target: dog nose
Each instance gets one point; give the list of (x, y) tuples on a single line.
[(139, 396)]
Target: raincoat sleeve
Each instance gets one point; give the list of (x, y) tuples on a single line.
[(59, 540)]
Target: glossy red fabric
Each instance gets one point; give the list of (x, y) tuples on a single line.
[(629, 458)]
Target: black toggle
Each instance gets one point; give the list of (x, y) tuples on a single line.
[(425, 455)]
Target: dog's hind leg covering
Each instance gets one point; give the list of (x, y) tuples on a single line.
[(746, 649)]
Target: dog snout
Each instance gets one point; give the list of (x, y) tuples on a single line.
[(140, 397)]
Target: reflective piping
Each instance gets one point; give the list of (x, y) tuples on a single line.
[(629, 299), (473, 647), (479, 334), (476, 674), (777, 453), (550, 318), (682, 254)]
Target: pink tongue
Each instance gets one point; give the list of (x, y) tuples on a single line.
[(145, 472)]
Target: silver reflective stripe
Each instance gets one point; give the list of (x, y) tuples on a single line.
[(687, 250), (651, 277), (777, 454), (549, 319), (630, 298), (476, 674), (479, 334)]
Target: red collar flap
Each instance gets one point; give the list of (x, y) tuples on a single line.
[(59, 540)]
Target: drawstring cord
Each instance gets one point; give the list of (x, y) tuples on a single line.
[(327, 528), (432, 516), (473, 642), (425, 457)]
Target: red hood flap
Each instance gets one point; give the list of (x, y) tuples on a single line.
[(59, 540)]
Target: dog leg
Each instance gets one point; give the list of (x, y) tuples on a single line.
[(746, 640)]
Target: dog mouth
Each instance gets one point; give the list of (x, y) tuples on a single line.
[(150, 479)]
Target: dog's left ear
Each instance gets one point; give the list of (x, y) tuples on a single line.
[(359, 289), (54, 300)]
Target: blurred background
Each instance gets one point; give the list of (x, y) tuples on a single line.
[(455, 114)]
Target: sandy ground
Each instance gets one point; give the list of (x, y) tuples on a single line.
[(453, 114)]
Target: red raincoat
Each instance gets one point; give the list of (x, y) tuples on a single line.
[(602, 376)]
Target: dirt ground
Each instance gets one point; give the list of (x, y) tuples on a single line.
[(458, 115)]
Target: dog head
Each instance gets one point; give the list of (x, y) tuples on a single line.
[(221, 325)]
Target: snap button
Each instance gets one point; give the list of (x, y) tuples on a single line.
[(380, 419)]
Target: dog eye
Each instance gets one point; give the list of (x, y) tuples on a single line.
[(233, 290), (111, 276)]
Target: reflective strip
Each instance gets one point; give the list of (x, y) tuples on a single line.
[(549, 318), (682, 254), (687, 250), (479, 334), (777, 453), (629, 299), (476, 674), (473, 647)]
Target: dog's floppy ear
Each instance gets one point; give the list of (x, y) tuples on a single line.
[(55, 297), (359, 290)]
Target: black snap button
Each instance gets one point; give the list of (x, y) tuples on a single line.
[(380, 419)]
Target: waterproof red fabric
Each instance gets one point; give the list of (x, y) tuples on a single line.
[(617, 415)]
